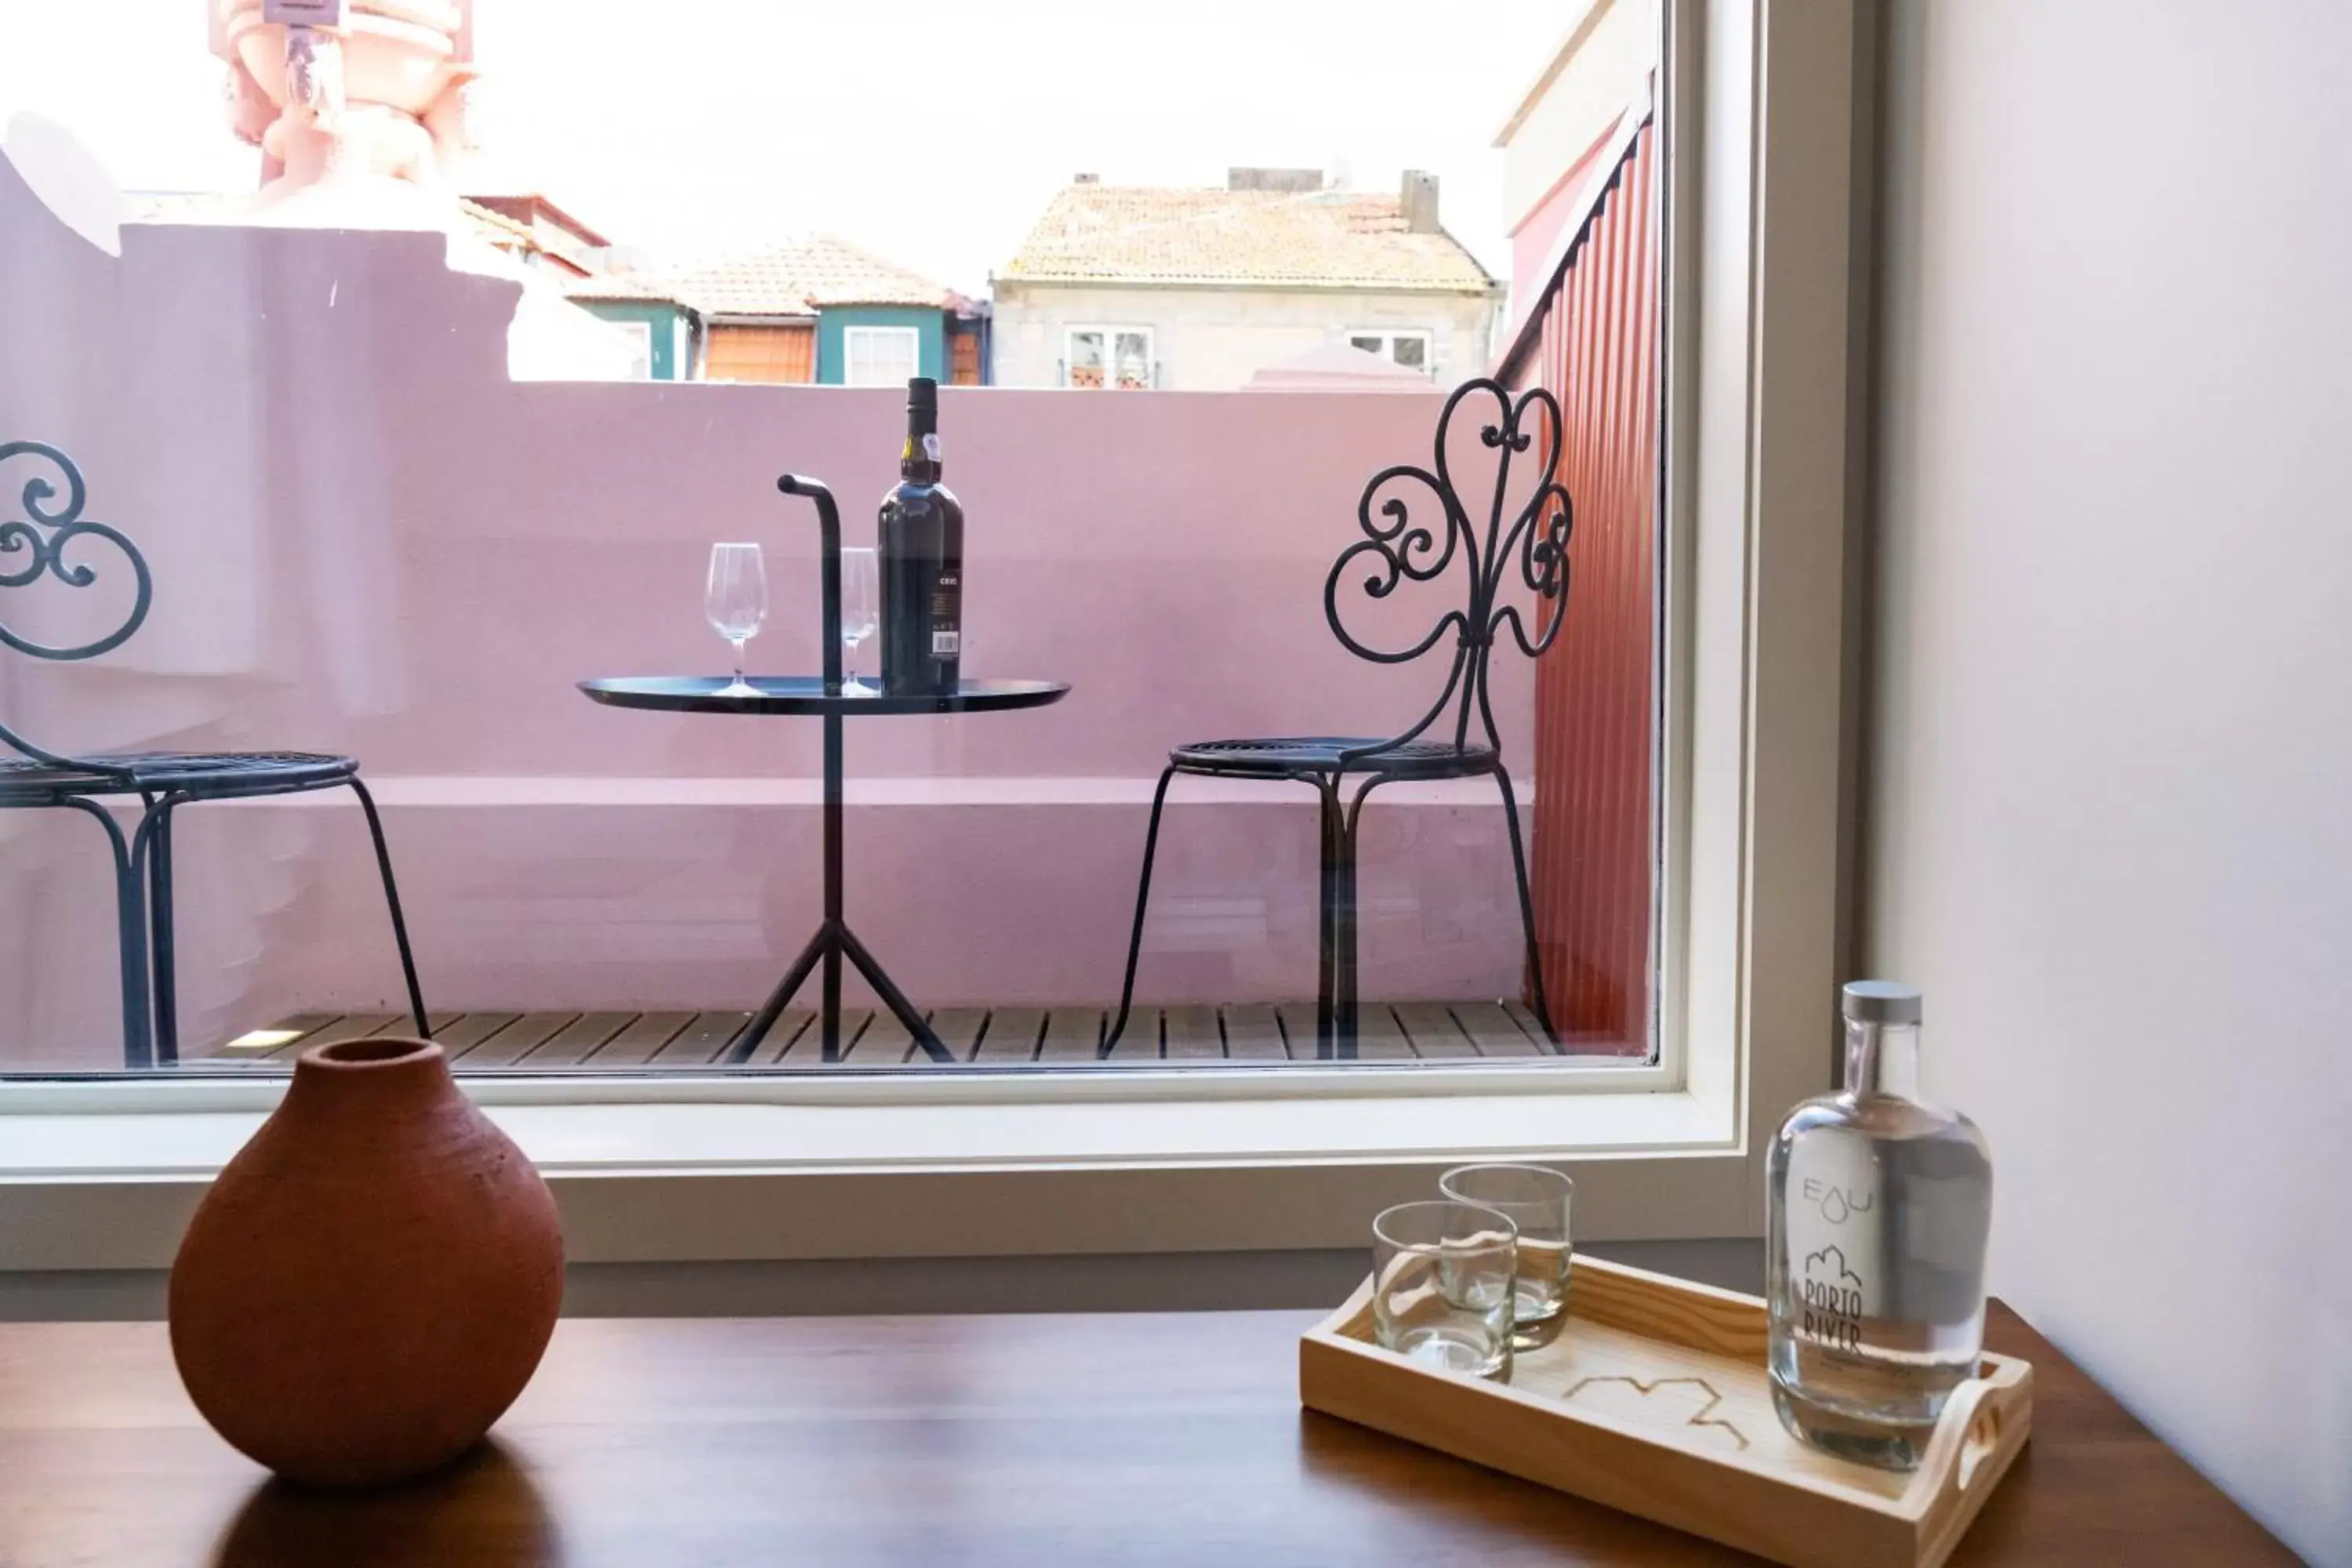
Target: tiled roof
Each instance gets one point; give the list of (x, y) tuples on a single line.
[(1334, 239), (619, 286), (796, 278), (211, 207), (520, 203), (496, 228)]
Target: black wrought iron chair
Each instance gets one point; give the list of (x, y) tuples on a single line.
[(1398, 551), (162, 781)]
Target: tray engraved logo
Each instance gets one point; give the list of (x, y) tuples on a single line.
[(1694, 1395)]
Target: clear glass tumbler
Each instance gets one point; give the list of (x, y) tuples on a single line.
[(1442, 1276), (1536, 1201)]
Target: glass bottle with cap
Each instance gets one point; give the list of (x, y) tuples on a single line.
[(1878, 1205)]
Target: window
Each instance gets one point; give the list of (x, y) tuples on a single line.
[(597, 898), (1410, 350), (1119, 358), (641, 348), (879, 356)]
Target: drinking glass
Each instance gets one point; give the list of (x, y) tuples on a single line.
[(1536, 1201), (857, 610), (735, 598), (1442, 1276)]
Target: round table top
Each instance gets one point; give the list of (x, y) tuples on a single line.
[(806, 695)]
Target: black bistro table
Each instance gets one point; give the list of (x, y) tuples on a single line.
[(806, 697)]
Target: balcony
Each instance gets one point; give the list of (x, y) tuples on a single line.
[(367, 537)]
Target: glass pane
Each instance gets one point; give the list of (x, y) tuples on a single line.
[(1086, 363), (641, 350), (1134, 362), (588, 885), (879, 356)]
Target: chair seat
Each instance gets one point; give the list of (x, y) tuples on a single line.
[(207, 775), (1279, 756)]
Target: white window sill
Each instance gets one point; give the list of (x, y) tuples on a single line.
[(653, 1170)]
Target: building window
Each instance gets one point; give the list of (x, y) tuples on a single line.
[(879, 356), (641, 348), (1410, 350), (1115, 357)]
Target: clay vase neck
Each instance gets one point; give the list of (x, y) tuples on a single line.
[(369, 1082)]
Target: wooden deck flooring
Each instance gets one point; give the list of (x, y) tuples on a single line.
[(1062, 1036)]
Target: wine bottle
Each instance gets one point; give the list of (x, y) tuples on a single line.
[(919, 542)]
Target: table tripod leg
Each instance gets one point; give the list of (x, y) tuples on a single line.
[(894, 998), (826, 944)]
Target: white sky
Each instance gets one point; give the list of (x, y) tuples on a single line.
[(930, 131)]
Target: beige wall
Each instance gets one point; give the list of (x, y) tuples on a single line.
[(1212, 340), (1609, 51), (2111, 820)]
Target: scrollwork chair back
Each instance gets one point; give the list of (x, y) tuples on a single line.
[(47, 539), (1526, 549)]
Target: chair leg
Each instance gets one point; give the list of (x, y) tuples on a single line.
[(159, 922), (1142, 897), (1326, 973), (1527, 903), (392, 902), (130, 941), (1350, 1014)]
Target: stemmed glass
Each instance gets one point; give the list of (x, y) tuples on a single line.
[(859, 615), (735, 601)]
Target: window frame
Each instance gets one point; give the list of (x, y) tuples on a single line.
[(1389, 337), (641, 338), (913, 336), (1110, 334), (1762, 479)]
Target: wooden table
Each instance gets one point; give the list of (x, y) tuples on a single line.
[(951, 1443)]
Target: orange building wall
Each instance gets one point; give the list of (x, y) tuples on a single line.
[(780, 353)]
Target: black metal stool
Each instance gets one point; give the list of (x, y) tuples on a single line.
[(1535, 539), (163, 780)]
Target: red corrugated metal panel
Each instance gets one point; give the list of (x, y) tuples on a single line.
[(1597, 691)]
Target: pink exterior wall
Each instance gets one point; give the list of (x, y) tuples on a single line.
[(367, 537), (1569, 201)]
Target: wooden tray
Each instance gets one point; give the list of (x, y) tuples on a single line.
[(1653, 1399)]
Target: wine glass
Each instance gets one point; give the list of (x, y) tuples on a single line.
[(857, 611), (735, 601)]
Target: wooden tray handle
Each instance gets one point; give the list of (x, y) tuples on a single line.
[(1985, 1416)]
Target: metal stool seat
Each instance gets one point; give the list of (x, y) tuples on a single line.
[(1523, 550), (205, 775), (1281, 756), (161, 782)]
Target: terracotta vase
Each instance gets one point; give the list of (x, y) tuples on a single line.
[(372, 1280)]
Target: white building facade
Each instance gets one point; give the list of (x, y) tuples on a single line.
[(1215, 338), (1132, 289)]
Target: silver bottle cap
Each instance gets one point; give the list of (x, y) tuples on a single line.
[(1881, 1002)]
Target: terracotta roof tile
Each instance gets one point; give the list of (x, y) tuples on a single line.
[(619, 286), (796, 278), (211, 206), (1142, 234)]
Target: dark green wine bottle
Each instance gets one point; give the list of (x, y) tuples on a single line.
[(919, 549)]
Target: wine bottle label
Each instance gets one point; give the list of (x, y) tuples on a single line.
[(1835, 1230), (931, 445)]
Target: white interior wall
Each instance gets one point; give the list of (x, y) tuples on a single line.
[(2111, 820)]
